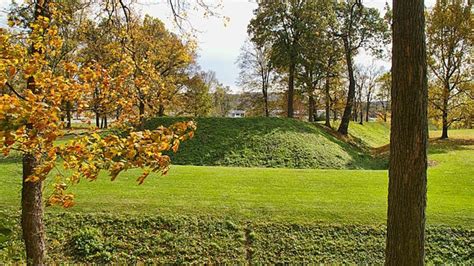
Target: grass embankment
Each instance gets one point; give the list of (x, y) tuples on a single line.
[(218, 214), (267, 142)]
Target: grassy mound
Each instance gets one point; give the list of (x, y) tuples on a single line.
[(267, 142)]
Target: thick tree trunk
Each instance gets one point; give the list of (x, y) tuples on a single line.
[(327, 102), (291, 90), (32, 214), (408, 138), (344, 126), (68, 114), (361, 115)]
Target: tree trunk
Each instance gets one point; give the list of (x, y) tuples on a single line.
[(97, 119), (32, 214), (361, 115), (265, 100), (32, 192), (291, 89), (444, 135), (311, 107), (408, 138), (141, 111), (327, 102), (344, 126), (161, 110), (68, 114), (367, 108)]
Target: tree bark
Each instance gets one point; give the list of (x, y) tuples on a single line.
[(327, 102), (32, 214), (31, 194), (291, 89), (408, 138), (344, 126)]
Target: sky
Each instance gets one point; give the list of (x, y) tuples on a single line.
[(219, 45)]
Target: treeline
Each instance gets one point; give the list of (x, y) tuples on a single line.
[(304, 52), (134, 65)]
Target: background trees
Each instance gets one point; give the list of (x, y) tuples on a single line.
[(256, 70), (280, 24), (449, 39), (357, 27)]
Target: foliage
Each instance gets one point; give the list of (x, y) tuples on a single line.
[(203, 239), (266, 142), (31, 109), (449, 41), (197, 99)]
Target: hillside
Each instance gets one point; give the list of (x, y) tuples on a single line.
[(267, 142)]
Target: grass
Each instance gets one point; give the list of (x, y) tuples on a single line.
[(215, 214), (294, 195), (267, 142), (371, 134)]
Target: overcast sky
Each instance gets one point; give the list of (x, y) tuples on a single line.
[(219, 45)]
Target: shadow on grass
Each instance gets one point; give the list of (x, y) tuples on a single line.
[(438, 146)]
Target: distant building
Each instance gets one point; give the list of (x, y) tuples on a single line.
[(236, 113)]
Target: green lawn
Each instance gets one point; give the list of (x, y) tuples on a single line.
[(303, 195)]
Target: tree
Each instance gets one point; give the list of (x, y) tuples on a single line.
[(222, 101), (197, 94), (366, 81), (316, 55), (256, 69), (280, 24), (30, 122), (449, 38), (383, 93), (357, 27), (408, 137), (333, 69)]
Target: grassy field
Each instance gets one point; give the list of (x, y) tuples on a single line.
[(205, 214), (297, 195)]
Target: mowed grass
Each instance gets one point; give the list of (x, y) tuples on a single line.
[(291, 195)]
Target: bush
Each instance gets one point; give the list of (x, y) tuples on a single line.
[(87, 245)]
